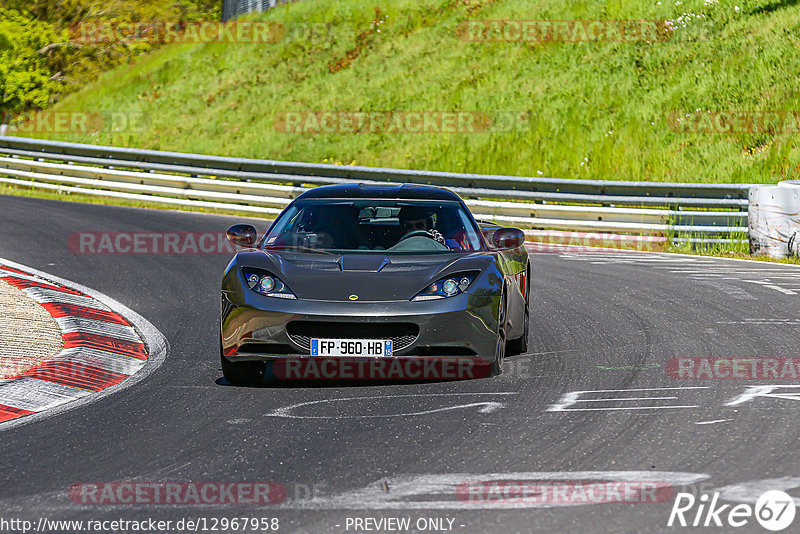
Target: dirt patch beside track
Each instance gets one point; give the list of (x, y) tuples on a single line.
[(28, 333)]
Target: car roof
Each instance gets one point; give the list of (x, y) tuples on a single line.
[(388, 191)]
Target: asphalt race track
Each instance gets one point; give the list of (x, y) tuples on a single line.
[(601, 321)]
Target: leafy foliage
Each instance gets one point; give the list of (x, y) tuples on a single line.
[(25, 79), (40, 62)]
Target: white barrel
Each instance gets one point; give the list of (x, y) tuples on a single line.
[(774, 215)]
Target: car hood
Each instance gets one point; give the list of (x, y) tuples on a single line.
[(370, 277)]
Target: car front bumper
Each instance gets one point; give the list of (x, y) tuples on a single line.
[(259, 328)]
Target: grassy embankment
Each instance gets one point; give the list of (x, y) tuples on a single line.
[(594, 110)]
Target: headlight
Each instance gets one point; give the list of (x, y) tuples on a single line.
[(447, 287), (267, 284)]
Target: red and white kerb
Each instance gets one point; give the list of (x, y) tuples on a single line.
[(100, 349)]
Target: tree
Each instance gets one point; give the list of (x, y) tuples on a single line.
[(40, 62)]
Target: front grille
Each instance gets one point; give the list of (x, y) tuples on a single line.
[(442, 351), (258, 347), (401, 334)]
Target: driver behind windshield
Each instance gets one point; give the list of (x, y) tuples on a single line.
[(337, 224), (416, 219)]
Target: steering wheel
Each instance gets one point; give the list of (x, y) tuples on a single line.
[(417, 233)]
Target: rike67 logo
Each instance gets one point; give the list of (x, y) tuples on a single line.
[(774, 510)]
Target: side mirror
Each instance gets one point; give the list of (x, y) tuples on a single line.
[(508, 238), (243, 235)]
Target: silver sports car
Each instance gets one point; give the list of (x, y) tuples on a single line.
[(374, 281)]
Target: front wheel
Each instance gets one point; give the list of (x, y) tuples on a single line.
[(242, 373), (500, 349)]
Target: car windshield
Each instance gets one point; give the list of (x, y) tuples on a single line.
[(363, 225)]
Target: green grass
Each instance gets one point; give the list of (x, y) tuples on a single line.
[(679, 243), (739, 248), (595, 110)]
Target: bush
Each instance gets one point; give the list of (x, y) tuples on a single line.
[(38, 61)]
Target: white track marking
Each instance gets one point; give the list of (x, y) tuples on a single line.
[(573, 397), (154, 341), (749, 492), (108, 361), (43, 295), (440, 491), (762, 322), (766, 283), (766, 391), (713, 422), (38, 280), (624, 408), (36, 395), (486, 407), (775, 277), (94, 326), (784, 290), (730, 268), (628, 399)]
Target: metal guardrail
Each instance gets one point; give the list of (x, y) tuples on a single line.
[(266, 186), (231, 9)]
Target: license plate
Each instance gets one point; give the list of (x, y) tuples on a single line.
[(367, 348)]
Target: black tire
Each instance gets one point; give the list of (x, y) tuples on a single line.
[(520, 345), (500, 349), (242, 373)]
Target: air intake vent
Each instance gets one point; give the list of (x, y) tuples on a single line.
[(317, 265), (403, 267)]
